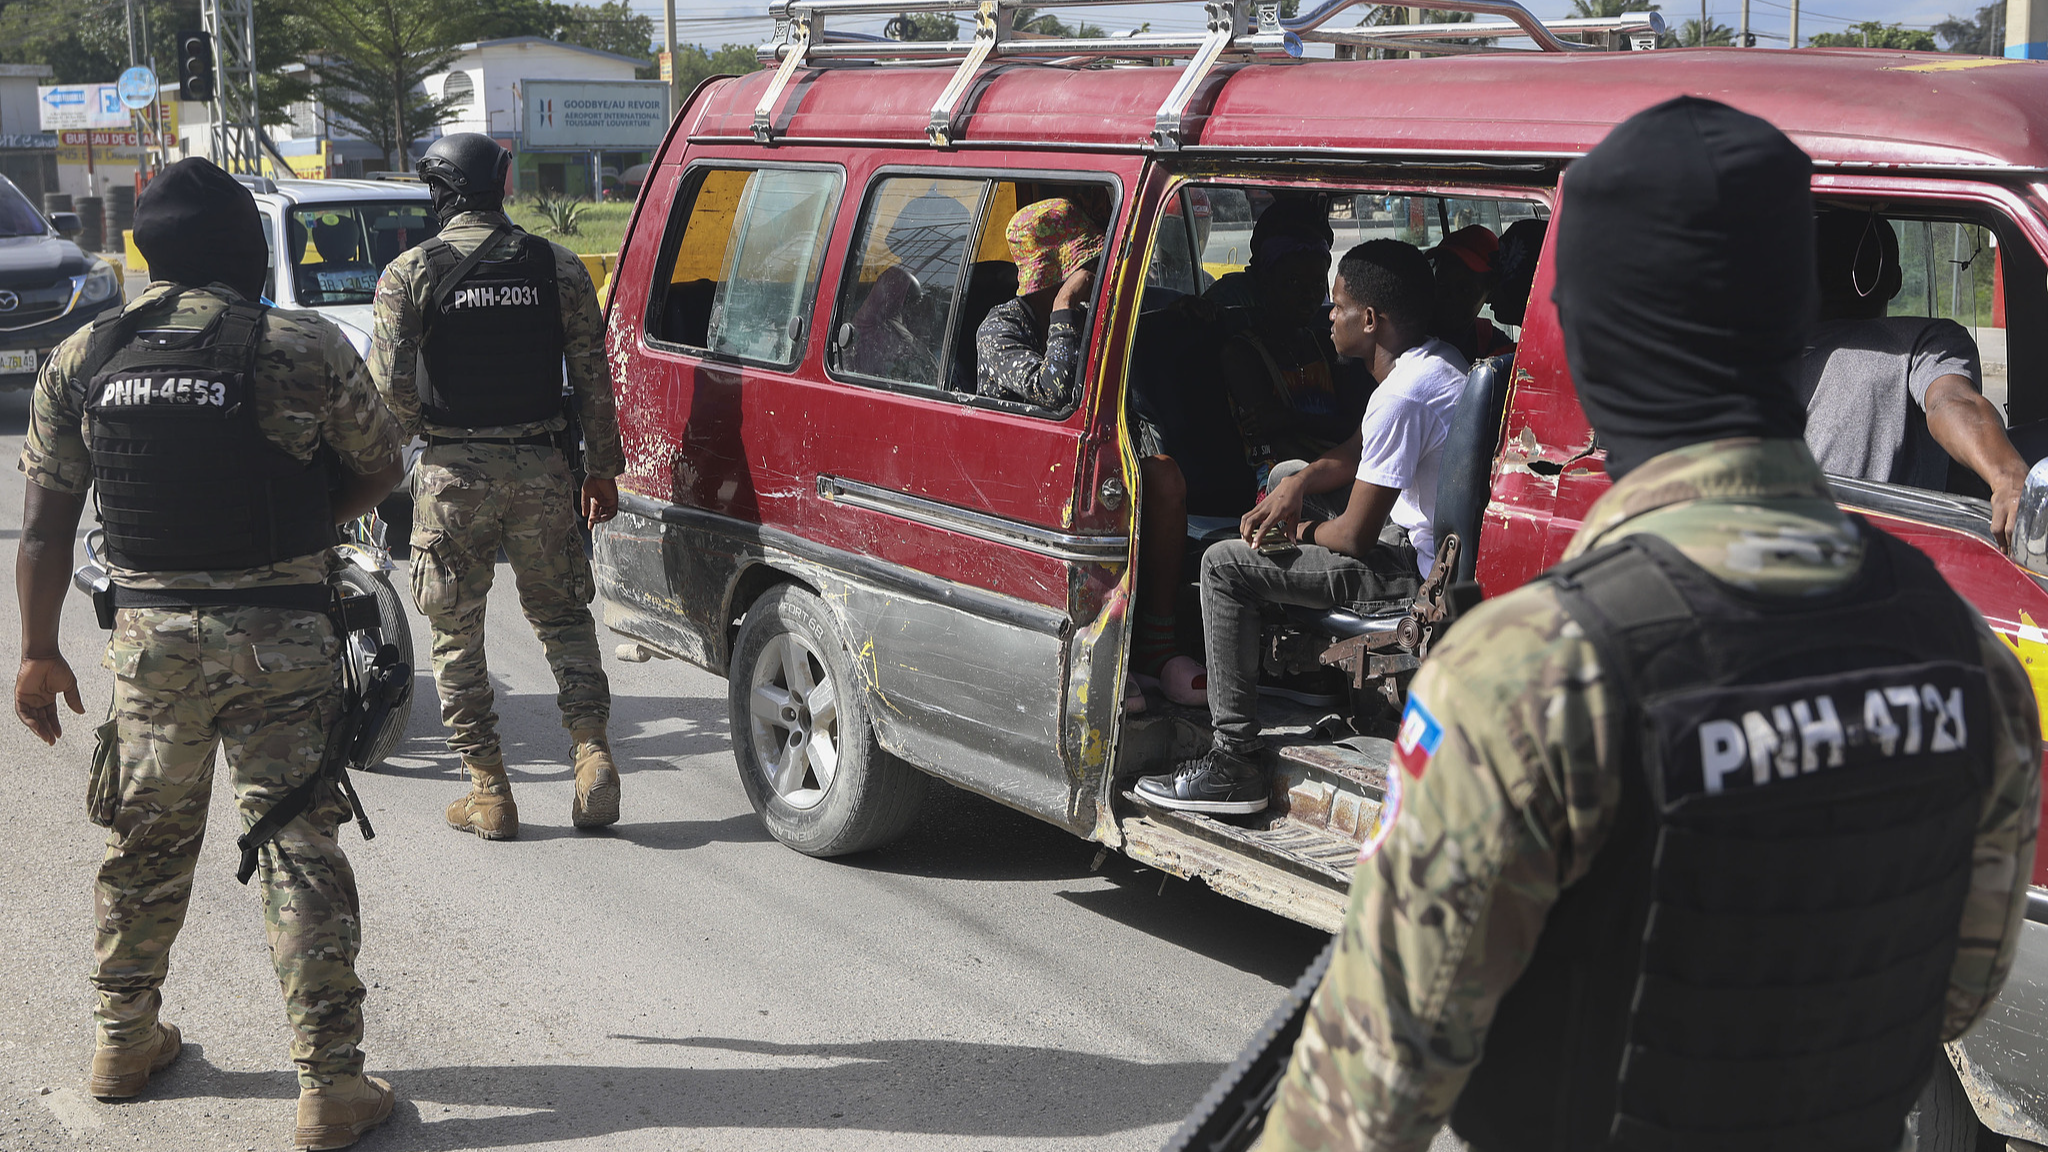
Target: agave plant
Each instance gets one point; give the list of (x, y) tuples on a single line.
[(562, 214)]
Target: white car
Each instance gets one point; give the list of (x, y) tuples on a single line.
[(329, 240)]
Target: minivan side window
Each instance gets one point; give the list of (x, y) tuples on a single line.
[(902, 284), (738, 275), (929, 262)]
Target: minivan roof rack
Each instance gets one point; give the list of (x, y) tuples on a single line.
[(1237, 29)]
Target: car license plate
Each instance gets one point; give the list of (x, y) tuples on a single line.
[(17, 361)]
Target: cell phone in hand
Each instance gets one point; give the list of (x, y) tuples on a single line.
[(1276, 540)]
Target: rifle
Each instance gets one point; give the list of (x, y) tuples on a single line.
[(1231, 1115), (363, 709)]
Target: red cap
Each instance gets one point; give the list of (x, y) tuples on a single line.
[(1475, 245)]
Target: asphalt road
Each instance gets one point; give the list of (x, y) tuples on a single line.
[(680, 982)]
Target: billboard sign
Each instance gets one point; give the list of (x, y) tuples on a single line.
[(594, 115), (62, 106)]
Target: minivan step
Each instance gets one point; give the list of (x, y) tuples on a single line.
[(1311, 852), (1178, 851), (1336, 788)]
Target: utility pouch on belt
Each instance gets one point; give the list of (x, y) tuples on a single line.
[(103, 782)]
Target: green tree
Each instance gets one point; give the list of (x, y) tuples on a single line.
[(1979, 35), (1608, 9), (1033, 22), (611, 26), (86, 42), (694, 65), (922, 26), (1384, 16), (1876, 34), (1719, 35), (373, 57)]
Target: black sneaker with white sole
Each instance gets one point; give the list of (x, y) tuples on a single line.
[(1317, 689), (1220, 782)]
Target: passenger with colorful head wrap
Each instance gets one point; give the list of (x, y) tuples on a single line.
[(1030, 350), (1030, 346)]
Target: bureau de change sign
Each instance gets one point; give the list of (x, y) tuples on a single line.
[(594, 115)]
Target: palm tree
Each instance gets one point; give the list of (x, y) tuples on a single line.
[(1718, 35), (1608, 9)]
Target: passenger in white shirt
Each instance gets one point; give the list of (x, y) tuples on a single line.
[(1376, 550)]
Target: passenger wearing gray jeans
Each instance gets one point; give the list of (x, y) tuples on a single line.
[(1367, 532)]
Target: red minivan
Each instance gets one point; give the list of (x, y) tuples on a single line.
[(902, 579)]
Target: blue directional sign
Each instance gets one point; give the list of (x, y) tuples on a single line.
[(72, 106), (137, 88)]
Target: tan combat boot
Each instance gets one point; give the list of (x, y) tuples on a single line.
[(337, 1115), (118, 1073), (597, 784), (487, 809)]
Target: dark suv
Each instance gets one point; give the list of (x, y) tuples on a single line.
[(49, 287)]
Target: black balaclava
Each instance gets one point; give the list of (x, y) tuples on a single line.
[(448, 203), (195, 225), (1685, 280)]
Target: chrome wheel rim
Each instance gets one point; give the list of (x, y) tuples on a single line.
[(793, 710)]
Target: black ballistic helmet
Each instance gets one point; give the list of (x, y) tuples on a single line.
[(465, 168)]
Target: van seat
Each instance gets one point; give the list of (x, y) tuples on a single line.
[(989, 283), (1344, 624), (686, 313)]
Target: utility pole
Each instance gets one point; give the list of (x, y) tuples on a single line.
[(668, 44), (1703, 25), (235, 122), (1795, 24), (2026, 29), (1744, 41)]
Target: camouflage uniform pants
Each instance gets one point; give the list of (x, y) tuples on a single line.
[(263, 683), (468, 500)]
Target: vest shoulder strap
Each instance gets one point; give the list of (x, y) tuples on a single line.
[(1618, 592), (448, 275), (242, 326), (110, 334)]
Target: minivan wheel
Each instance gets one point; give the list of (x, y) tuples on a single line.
[(805, 746), (1943, 1117)]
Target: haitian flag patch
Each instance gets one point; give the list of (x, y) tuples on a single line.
[(1419, 738)]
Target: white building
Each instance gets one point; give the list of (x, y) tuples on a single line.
[(487, 77)]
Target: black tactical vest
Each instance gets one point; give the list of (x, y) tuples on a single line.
[(1758, 958), (493, 337), (184, 477)]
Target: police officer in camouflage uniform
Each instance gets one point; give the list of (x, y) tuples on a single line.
[(209, 427), (472, 331), (1708, 839)]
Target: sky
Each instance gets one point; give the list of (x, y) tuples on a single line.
[(713, 22)]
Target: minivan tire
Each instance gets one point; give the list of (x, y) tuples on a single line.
[(1944, 1119), (842, 793)]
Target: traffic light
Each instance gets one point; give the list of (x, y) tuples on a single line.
[(195, 66)]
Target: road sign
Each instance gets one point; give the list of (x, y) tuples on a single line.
[(594, 115), (137, 88), (62, 106)]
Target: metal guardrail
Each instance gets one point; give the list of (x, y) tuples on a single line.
[(1237, 29)]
